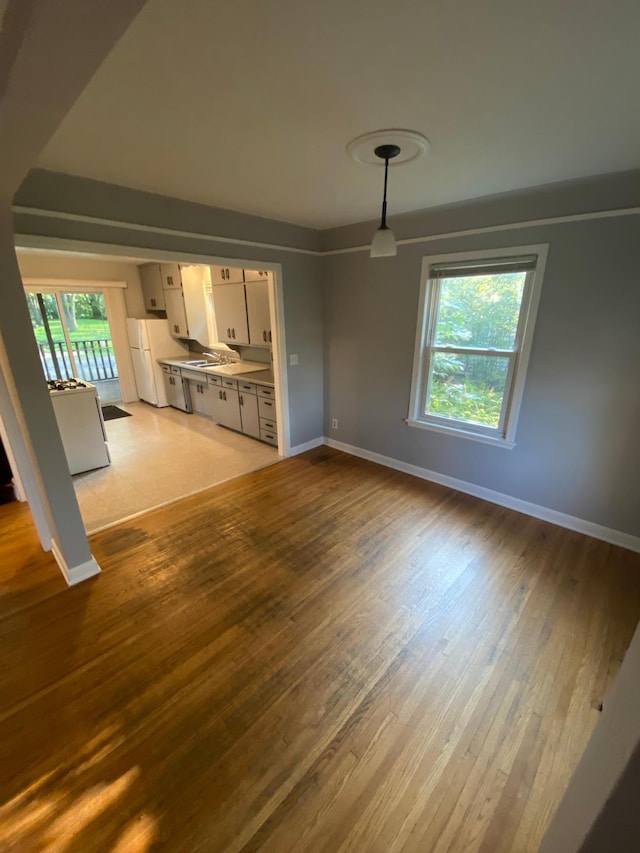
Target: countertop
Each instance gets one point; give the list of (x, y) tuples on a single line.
[(259, 377)]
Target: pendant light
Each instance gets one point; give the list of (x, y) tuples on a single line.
[(401, 146), (383, 244)]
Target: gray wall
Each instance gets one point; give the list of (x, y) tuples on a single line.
[(302, 286), (577, 449)]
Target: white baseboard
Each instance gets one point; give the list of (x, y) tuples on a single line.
[(308, 445), (580, 525), (74, 574)]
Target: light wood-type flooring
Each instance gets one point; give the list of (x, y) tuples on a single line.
[(324, 655)]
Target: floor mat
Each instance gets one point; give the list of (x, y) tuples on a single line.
[(110, 413)]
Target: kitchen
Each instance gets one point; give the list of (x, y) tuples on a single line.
[(195, 347)]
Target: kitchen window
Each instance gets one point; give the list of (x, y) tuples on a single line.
[(475, 328)]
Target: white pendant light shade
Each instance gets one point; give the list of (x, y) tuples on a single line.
[(383, 244)]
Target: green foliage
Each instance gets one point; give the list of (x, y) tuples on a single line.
[(465, 401), (85, 314), (480, 312), (87, 330)]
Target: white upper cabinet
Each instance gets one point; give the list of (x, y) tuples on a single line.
[(170, 276), (256, 275), (226, 275), (258, 312), (196, 288), (176, 313), (230, 308), (152, 288)]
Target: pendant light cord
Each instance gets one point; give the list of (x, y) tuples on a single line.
[(383, 223)]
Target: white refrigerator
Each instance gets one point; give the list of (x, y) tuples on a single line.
[(150, 340)]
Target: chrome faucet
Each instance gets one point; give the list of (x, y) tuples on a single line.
[(218, 358)]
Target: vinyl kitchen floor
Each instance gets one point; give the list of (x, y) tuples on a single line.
[(160, 455)]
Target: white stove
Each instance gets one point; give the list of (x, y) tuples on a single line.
[(77, 408), (57, 385)]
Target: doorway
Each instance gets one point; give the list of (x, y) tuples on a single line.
[(74, 339)]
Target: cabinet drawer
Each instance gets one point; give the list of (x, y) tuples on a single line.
[(266, 391), (166, 368), (268, 425), (247, 387), (175, 370), (266, 408), (269, 437), (230, 383), (215, 380)]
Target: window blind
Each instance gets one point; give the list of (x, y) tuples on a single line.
[(490, 266)]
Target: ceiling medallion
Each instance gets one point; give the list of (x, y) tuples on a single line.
[(413, 146)]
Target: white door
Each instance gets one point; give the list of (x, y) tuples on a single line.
[(143, 370)]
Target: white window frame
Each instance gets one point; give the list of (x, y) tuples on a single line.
[(504, 434)]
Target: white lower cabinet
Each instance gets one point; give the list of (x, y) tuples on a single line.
[(249, 409), (202, 397), (226, 403), (242, 406)]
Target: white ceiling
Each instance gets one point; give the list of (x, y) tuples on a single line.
[(249, 105)]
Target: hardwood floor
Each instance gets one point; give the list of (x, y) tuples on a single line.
[(324, 655)]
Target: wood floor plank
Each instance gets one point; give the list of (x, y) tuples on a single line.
[(322, 656)]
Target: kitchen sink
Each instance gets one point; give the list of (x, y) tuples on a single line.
[(197, 362)]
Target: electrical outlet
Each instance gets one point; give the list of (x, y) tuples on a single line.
[(293, 360), (334, 423)]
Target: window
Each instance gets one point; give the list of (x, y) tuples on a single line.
[(475, 327)]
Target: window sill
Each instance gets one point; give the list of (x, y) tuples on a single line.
[(496, 441)]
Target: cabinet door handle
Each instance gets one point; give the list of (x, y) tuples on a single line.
[(269, 335), (233, 334), (228, 333), (241, 400), (153, 303), (264, 336), (224, 395)]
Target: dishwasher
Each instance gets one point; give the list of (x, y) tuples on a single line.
[(178, 394)]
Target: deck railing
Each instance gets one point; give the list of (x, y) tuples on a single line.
[(94, 360)]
